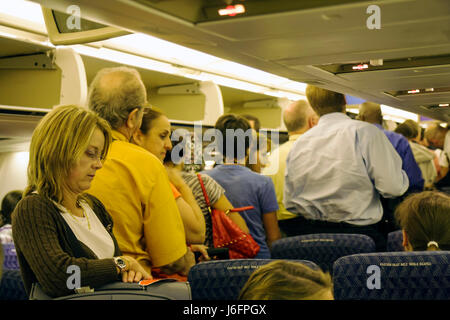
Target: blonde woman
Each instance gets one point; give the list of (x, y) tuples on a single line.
[(286, 280), (425, 220), (56, 225)]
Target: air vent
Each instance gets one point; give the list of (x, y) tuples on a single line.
[(366, 66), (435, 107), (417, 91), (23, 112)]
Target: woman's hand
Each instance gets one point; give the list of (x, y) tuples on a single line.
[(202, 249), (135, 272)]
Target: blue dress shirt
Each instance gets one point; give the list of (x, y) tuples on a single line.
[(337, 170)]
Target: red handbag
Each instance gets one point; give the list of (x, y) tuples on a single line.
[(227, 234)]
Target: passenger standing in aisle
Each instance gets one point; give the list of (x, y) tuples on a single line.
[(243, 187), (133, 184), (336, 172), (298, 118)]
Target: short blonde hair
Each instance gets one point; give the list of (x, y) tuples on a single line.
[(324, 101), (57, 144), (286, 280)]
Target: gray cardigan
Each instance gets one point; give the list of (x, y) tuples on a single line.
[(46, 247)]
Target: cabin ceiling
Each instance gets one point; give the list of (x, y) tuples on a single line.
[(301, 39)]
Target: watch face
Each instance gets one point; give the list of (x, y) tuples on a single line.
[(120, 263)]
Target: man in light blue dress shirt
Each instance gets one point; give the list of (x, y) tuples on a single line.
[(336, 172)]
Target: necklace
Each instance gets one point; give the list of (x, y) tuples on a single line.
[(84, 215)]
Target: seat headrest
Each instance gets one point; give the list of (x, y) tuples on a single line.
[(420, 275), (322, 248), (224, 279)]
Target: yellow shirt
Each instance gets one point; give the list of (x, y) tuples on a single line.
[(134, 187), (276, 170)]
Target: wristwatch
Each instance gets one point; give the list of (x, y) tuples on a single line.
[(120, 263)]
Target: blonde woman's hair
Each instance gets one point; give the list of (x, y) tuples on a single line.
[(286, 280), (57, 144), (425, 217)]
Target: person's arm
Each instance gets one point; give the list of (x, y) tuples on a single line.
[(224, 204), (193, 219), (269, 207), (270, 222), (164, 236), (133, 271), (182, 265), (383, 164)]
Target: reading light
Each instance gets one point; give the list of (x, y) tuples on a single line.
[(360, 67), (232, 10)]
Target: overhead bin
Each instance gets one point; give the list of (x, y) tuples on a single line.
[(267, 109), (36, 76)]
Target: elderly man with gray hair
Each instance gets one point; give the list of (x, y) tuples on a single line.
[(298, 117), (133, 184)]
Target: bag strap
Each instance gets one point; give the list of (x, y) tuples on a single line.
[(205, 195), (242, 209)]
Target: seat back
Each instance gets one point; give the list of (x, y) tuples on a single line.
[(419, 275), (395, 241), (224, 279), (165, 289), (322, 248), (11, 261), (11, 286)]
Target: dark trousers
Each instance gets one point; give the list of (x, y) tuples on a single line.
[(300, 226)]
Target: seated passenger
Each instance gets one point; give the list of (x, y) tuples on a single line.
[(154, 136), (337, 170), (286, 280), (424, 157), (57, 225), (425, 221), (215, 192), (133, 184), (9, 202), (244, 187)]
